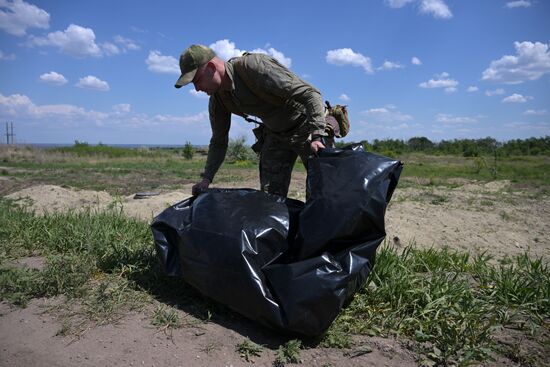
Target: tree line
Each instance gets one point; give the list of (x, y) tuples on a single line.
[(464, 147)]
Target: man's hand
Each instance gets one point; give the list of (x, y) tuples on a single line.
[(316, 145), (200, 186)]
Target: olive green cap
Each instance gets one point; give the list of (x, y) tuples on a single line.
[(190, 60)]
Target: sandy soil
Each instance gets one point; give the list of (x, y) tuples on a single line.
[(474, 217)]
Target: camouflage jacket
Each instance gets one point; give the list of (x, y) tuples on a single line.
[(261, 87)]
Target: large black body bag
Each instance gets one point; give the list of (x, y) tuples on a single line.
[(286, 264)]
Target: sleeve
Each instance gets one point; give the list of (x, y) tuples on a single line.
[(220, 122), (273, 78)]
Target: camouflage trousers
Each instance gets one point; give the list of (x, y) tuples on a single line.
[(278, 155)]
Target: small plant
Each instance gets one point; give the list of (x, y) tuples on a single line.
[(166, 318), (288, 353), (248, 349), (188, 150)]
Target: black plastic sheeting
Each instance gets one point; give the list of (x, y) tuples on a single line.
[(287, 264)]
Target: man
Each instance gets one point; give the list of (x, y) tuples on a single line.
[(291, 111)]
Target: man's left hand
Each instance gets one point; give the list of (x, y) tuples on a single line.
[(316, 145)]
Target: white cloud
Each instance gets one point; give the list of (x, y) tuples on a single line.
[(496, 92), (416, 61), (441, 81), (122, 108), (197, 94), (110, 49), (93, 83), (344, 97), (535, 112), (437, 8), (7, 57), (16, 16), (518, 4), (532, 60), (448, 119), (388, 114), (388, 65), (472, 88), (53, 78), (158, 63), (76, 41), (21, 107), (346, 56), (225, 49), (516, 98), (126, 43), (397, 3)]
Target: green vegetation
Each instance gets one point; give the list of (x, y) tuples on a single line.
[(452, 306), (248, 349), (288, 353)]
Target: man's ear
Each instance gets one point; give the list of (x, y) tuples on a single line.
[(211, 66)]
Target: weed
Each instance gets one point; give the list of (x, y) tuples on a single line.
[(248, 349), (166, 317), (505, 216), (288, 352)]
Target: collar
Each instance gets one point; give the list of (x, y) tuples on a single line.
[(230, 74)]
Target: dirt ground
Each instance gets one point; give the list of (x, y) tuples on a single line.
[(468, 216)]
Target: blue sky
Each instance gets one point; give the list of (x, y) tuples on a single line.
[(103, 71)]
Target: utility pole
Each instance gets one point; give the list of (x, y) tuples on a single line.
[(9, 136)]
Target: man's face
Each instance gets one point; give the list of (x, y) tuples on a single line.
[(207, 79)]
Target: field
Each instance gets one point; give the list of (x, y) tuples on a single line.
[(462, 278)]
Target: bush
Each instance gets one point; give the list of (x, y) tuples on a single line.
[(188, 150)]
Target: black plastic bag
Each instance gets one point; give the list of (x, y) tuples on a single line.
[(288, 265)]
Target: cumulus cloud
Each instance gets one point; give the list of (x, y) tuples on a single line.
[(346, 56), (535, 112), (436, 8), (93, 83), (496, 92), (448, 119), (516, 98), (416, 61), (472, 88), (7, 57), (16, 16), (532, 60), (110, 49), (388, 65), (387, 114), (23, 108), (53, 78), (159, 63), (441, 81), (344, 97), (225, 49), (75, 41), (518, 4)]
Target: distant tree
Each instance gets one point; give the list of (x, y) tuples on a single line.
[(421, 143), (188, 150)]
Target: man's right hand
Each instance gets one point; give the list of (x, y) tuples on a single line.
[(200, 186)]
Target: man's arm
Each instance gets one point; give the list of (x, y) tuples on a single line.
[(220, 122)]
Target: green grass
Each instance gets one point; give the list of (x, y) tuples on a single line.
[(450, 306), (526, 169)]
